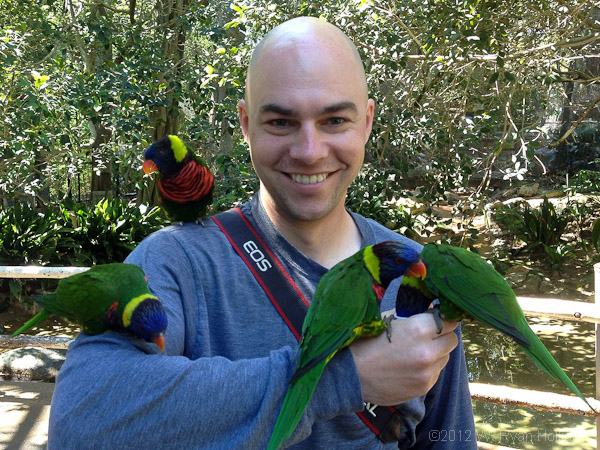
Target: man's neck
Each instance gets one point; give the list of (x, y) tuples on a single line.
[(326, 241)]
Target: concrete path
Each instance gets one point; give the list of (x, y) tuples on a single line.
[(24, 410)]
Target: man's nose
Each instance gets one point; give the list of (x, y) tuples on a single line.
[(309, 145)]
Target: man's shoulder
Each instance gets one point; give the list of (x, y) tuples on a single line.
[(187, 236), (378, 232)]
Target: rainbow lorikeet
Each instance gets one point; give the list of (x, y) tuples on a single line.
[(345, 306), (106, 297), (185, 185), (469, 287)]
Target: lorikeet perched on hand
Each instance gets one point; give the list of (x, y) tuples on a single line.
[(106, 297), (185, 185), (345, 307), (467, 286)]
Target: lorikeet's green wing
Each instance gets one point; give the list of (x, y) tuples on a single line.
[(344, 307), (106, 297), (463, 281), (79, 298)]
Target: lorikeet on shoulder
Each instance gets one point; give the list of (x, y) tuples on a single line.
[(345, 307), (467, 286), (106, 297), (185, 185)]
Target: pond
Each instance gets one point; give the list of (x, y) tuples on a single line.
[(495, 359)]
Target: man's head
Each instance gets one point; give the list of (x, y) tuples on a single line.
[(306, 118)]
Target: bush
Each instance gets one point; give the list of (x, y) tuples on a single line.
[(74, 234), (108, 231), (373, 194), (29, 237), (541, 229)]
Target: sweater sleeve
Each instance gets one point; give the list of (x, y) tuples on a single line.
[(448, 422), (115, 392)]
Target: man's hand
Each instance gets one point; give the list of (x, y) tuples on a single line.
[(408, 366)]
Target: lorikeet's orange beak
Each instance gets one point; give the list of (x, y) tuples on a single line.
[(417, 270), (160, 342), (149, 167)]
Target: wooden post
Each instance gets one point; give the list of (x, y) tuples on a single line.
[(597, 332)]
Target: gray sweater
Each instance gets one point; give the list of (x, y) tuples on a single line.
[(227, 363)]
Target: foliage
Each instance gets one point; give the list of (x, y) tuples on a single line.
[(374, 194), (108, 231), (540, 229), (29, 237), (595, 238), (86, 86), (581, 213), (72, 234), (236, 181), (585, 181)]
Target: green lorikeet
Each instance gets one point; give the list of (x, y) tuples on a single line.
[(467, 286), (185, 185), (106, 297), (345, 306)]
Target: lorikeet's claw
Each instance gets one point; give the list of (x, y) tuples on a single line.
[(388, 322), (437, 316)]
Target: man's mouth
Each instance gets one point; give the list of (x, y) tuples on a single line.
[(308, 179)]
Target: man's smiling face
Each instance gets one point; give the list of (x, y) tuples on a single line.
[(306, 118)]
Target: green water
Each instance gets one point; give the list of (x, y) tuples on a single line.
[(492, 358)]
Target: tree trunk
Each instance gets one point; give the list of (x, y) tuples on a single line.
[(566, 118), (101, 52), (165, 119)]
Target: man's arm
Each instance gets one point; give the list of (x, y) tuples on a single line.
[(114, 392)]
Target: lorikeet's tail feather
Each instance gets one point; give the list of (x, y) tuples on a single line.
[(294, 405), (38, 318), (545, 361)]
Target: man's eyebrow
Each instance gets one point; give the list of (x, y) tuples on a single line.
[(282, 110), (341, 106), (277, 109)]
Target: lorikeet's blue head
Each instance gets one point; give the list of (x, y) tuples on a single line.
[(149, 322), (396, 259), (167, 156)]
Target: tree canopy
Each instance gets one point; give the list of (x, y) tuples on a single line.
[(87, 85)]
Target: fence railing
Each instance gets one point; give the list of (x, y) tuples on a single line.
[(536, 307)]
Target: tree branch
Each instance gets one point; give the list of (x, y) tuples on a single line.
[(576, 124)]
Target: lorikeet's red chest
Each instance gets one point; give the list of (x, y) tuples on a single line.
[(191, 183), (112, 317), (379, 290)]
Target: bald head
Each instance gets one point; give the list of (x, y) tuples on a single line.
[(297, 42)]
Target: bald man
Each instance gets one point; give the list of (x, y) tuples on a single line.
[(306, 117)]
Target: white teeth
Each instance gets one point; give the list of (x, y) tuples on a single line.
[(306, 179)]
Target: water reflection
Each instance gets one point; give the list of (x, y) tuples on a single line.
[(496, 359)]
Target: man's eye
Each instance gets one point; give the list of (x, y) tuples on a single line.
[(279, 123), (337, 121)]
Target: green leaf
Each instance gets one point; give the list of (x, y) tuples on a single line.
[(510, 77), (596, 234)]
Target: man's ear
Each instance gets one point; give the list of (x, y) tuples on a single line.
[(370, 113), (243, 117)]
